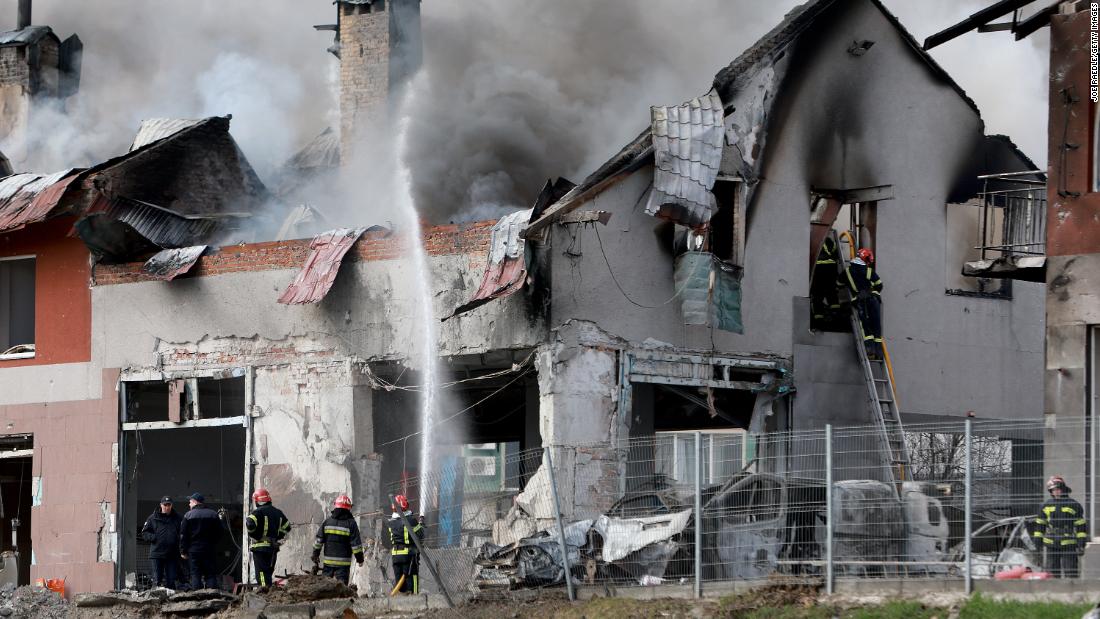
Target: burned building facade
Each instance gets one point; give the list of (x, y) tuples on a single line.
[(667, 292)]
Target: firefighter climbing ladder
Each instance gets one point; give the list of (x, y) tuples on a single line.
[(879, 377)]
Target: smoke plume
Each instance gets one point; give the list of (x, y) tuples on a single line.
[(512, 92)]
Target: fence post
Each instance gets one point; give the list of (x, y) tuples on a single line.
[(829, 508), (699, 514), (549, 462), (969, 507)]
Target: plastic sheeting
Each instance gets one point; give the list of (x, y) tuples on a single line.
[(710, 291), (623, 536)]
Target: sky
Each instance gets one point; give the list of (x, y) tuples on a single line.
[(540, 92)]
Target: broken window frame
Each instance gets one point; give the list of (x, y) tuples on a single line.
[(245, 420), (729, 249), (5, 320), (683, 471)]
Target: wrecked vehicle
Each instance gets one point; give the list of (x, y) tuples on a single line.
[(606, 548), (999, 546), (754, 525)]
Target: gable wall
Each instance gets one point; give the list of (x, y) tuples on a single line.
[(842, 121)]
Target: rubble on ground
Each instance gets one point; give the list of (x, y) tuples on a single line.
[(27, 602), (301, 588)]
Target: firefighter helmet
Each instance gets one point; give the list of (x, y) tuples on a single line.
[(865, 255), (261, 495), (1056, 481), (401, 502), (342, 502)]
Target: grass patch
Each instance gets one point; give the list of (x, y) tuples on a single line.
[(623, 608), (980, 607)]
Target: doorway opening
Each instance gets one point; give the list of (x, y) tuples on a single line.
[(16, 477), (176, 442)]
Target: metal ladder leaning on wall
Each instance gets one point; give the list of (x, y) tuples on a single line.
[(879, 377)]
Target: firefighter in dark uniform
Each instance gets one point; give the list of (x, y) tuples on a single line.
[(866, 288), (267, 526), (403, 552), (824, 300), (1062, 527), (339, 538)]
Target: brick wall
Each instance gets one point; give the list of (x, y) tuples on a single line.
[(454, 239), (13, 67), (364, 70)]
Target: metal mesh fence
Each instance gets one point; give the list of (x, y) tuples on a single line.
[(694, 507)]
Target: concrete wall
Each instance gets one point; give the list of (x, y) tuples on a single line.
[(312, 401), (840, 122)]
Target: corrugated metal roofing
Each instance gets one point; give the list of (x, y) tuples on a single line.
[(161, 226), (322, 151), (25, 36), (323, 263), (506, 271), (154, 129), (169, 264), (687, 151), (30, 198)]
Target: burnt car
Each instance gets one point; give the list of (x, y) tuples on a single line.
[(999, 545)]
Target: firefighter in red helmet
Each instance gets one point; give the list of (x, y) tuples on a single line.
[(866, 288), (267, 526), (339, 538), (403, 552), (1062, 529)]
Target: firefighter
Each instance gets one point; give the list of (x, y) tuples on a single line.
[(403, 551), (824, 300), (339, 537), (1061, 525), (267, 526), (866, 288)]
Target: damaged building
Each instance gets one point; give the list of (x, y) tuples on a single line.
[(154, 347)]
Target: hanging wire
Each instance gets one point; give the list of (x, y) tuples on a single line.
[(465, 410), (676, 294)]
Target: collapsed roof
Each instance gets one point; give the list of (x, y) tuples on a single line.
[(181, 181)]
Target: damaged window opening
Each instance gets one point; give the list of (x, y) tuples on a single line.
[(726, 236), (17, 289), (836, 226), (487, 426), (176, 400)]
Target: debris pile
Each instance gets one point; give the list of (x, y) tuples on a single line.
[(31, 602), (310, 589), (160, 602)]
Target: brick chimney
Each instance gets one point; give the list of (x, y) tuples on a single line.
[(35, 66), (378, 43)]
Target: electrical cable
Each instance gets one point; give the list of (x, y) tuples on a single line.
[(467, 409), (619, 286)]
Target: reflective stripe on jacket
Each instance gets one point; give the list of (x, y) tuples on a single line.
[(400, 542), (828, 253), (266, 526), (338, 536), (1061, 522), (863, 277)]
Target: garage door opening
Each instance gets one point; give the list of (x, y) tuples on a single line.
[(203, 452)]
